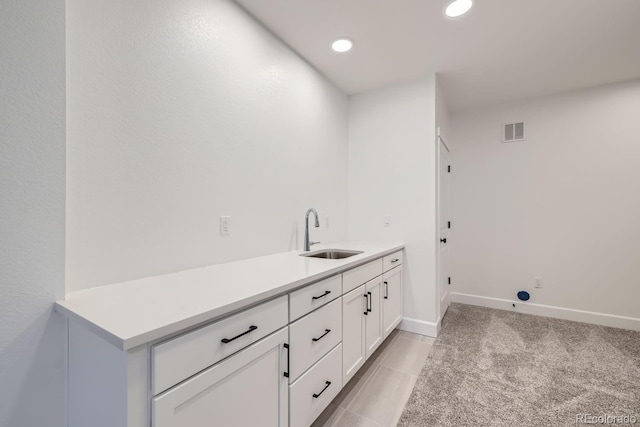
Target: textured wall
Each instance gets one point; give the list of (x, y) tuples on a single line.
[(179, 112), (32, 163)]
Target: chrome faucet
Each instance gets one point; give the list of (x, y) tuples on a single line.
[(307, 243)]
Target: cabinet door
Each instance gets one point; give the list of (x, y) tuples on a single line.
[(353, 329), (373, 319), (247, 389), (391, 300)]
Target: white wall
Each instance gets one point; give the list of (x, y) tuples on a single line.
[(392, 172), (179, 112), (32, 337), (563, 205)]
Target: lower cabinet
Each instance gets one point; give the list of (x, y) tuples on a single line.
[(315, 389), (247, 389), (373, 316), (354, 306), (391, 300)]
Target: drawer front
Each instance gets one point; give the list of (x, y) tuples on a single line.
[(313, 391), (313, 336), (353, 278), (179, 358), (314, 296), (393, 260)]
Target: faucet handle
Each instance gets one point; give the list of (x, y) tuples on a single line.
[(314, 243)]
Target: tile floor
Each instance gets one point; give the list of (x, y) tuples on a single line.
[(376, 395)]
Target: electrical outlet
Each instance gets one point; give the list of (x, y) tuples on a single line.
[(386, 220), (225, 226), (539, 282)]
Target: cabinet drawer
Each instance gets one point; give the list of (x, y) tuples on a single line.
[(313, 336), (246, 389), (179, 358), (393, 260), (313, 392), (353, 278), (313, 296)]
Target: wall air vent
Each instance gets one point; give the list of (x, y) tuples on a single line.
[(513, 132)]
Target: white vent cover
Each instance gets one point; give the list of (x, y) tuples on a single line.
[(513, 132)]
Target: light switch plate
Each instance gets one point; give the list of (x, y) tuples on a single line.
[(386, 220)]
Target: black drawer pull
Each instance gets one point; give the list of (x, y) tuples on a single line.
[(370, 301), (328, 383), (286, 374), (395, 260), (326, 331), (228, 340), (323, 295)]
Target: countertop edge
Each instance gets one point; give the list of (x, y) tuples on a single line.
[(130, 342)]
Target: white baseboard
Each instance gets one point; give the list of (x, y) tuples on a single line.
[(549, 311), (421, 327)]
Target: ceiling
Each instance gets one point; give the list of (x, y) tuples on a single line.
[(501, 50)]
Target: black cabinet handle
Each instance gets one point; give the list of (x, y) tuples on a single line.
[(395, 260), (386, 290), (443, 240), (370, 301), (228, 340), (366, 304), (326, 331), (328, 383), (286, 374), (323, 295)]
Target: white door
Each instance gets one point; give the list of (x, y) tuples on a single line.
[(247, 389), (391, 300), (445, 225), (373, 316), (353, 329)]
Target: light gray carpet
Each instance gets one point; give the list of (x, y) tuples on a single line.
[(500, 368)]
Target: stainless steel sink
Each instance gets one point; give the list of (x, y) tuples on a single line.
[(331, 254)]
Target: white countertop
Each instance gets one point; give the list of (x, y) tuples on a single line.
[(136, 312)]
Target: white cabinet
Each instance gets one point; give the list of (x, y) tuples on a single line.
[(391, 299), (373, 316), (247, 389), (314, 390), (353, 332), (313, 336)]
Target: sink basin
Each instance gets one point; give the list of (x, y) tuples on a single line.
[(331, 254)]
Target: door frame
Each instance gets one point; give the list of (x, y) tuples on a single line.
[(443, 298)]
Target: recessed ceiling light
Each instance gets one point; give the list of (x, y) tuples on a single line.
[(342, 45), (458, 7)]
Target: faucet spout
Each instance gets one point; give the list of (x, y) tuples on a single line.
[(307, 243)]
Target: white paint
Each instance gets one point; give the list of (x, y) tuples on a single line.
[(501, 50), (107, 387), (178, 112), (443, 199), (429, 329), (563, 205), (604, 319), (32, 338), (177, 301), (392, 171)]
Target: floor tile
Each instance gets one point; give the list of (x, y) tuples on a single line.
[(349, 419), (329, 416), (384, 396), (350, 391), (407, 356)]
